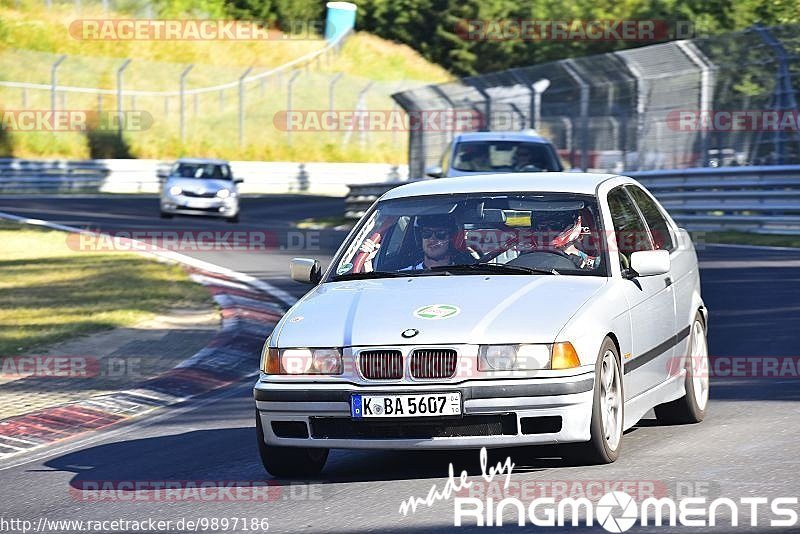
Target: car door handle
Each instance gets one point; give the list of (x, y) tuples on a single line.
[(667, 281)]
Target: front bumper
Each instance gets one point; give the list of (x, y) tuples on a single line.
[(205, 206), (496, 413)]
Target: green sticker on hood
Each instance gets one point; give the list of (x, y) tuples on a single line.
[(437, 311)]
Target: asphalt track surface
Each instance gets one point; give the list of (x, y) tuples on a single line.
[(746, 447)]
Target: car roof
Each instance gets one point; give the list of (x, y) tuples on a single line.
[(521, 135), (555, 182), (202, 161)]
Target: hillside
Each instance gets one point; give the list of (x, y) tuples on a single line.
[(32, 38)]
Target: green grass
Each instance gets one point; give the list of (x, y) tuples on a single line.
[(32, 37), (747, 238), (50, 293)]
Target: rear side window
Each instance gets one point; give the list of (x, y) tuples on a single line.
[(659, 228), (630, 229)]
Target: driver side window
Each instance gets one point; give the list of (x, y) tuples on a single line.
[(629, 228)]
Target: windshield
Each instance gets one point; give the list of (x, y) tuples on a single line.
[(521, 234), (504, 156), (202, 170)]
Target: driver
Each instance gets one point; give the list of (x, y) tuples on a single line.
[(526, 159), (436, 236), (559, 231)]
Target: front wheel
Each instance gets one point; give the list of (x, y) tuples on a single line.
[(607, 412), (289, 462), (691, 408), (165, 215)]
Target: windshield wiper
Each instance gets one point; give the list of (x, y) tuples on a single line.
[(492, 268), (369, 275)]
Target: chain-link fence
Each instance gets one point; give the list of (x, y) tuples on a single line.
[(717, 101), (212, 110)]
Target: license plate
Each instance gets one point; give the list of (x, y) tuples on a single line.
[(426, 405), (197, 203)]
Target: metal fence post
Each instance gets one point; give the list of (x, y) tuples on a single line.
[(183, 101), (293, 77), (54, 82), (241, 105), (584, 111), (783, 94), (706, 89), (361, 105), (120, 104), (539, 87), (331, 90)]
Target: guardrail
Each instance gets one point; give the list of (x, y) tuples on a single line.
[(142, 176), (751, 199)]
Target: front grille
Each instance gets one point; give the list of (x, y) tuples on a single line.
[(469, 425), (211, 209), (381, 364), (433, 363), (205, 194)]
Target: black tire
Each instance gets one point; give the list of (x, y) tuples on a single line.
[(165, 215), (234, 219), (598, 450), (687, 409), (289, 462)]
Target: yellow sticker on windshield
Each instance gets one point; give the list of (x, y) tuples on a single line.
[(518, 218)]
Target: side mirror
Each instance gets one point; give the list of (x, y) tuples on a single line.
[(238, 180), (305, 270), (650, 262), (434, 172)]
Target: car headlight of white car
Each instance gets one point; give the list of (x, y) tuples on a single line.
[(175, 190), (223, 193), (527, 357), (320, 361)]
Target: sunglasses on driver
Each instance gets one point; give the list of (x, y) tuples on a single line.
[(429, 233)]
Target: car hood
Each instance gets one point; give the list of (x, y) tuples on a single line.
[(198, 185), (444, 309)]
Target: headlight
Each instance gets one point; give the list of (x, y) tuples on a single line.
[(527, 357), (513, 357), (175, 190), (301, 361), (223, 193)]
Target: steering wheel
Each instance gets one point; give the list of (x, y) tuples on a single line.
[(529, 168)]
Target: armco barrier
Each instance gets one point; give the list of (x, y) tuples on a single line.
[(752, 199), (142, 176)]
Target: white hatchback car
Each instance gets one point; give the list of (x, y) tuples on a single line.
[(495, 310), (199, 186)]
